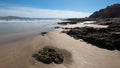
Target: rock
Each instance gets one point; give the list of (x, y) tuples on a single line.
[(58, 59), (48, 55), (115, 35), (107, 38), (116, 44), (65, 23), (45, 59), (103, 30), (56, 27), (81, 19), (43, 33)]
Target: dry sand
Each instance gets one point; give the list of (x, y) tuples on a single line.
[(78, 54)]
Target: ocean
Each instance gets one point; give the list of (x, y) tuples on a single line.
[(10, 26), (16, 29)]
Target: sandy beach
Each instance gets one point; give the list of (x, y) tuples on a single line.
[(77, 53)]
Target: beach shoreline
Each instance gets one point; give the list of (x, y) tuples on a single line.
[(78, 54)]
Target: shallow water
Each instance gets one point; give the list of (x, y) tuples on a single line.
[(16, 26), (15, 29)]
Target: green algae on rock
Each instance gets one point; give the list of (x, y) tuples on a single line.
[(48, 55)]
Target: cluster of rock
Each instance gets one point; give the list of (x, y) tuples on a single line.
[(81, 19), (76, 20), (48, 55), (108, 21), (107, 38)]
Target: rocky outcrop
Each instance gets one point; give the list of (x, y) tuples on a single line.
[(108, 12), (65, 23), (81, 19), (107, 38)]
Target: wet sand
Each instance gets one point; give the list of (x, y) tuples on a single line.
[(78, 54)]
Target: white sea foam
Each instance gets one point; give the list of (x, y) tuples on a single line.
[(27, 21)]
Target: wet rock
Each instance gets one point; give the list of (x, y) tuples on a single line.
[(107, 38), (48, 55), (43, 33), (56, 27), (58, 59), (65, 23), (116, 43)]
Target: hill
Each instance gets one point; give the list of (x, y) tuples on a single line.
[(108, 12), (12, 17)]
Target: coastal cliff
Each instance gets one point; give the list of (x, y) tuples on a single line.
[(108, 12)]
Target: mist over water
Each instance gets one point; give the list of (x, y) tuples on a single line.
[(23, 25)]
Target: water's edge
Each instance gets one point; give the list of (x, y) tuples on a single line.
[(14, 31)]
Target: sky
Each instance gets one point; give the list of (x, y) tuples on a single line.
[(52, 8)]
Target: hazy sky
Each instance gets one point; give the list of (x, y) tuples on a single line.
[(52, 8)]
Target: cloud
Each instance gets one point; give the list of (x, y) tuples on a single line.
[(40, 13)]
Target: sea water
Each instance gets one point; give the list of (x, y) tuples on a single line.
[(24, 25), (12, 30)]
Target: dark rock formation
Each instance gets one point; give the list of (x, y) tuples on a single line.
[(108, 21), (48, 55), (65, 23), (81, 19), (43, 33), (108, 12), (107, 38), (56, 27)]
